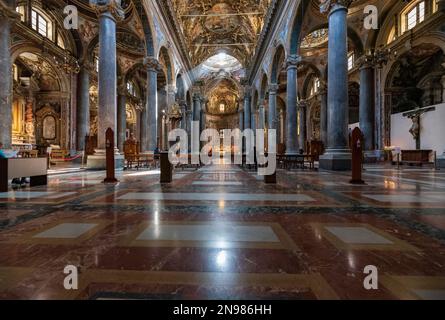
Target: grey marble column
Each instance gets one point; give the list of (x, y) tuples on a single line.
[(302, 106), (8, 16), (367, 104), (121, 116), (292, 145), (247, 108), (261, 117), (241, 120), (109, 13), (196, 107), (338, 155), (183, 107), (149, 126), (202, 119), (253, 122), (83, 106), (272, 114), (323, 114)]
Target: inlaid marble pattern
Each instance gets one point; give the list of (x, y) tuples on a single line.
[(221, 233)]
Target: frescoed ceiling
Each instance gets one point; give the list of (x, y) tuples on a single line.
[(214, 25)]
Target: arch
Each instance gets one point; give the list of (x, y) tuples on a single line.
[(64, 83), (146, 26), (263, 89), (295, 34), (166, 60), (180, 90), (279, 57)]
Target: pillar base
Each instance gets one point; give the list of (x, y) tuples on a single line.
[(336, 160), (98, 161), (441, 161)]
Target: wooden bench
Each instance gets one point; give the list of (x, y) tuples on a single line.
[(34, 168)]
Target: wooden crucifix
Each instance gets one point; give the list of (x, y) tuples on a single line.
[(415, 115)]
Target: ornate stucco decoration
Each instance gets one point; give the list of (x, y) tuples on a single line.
[(112, 7), (327, 5)]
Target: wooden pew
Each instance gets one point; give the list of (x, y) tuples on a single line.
[(35, 168)]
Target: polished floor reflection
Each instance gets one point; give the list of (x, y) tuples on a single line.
[(222, 233)]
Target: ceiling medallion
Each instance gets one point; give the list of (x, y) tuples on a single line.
[(220, 20)]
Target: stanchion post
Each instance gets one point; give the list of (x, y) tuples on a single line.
[(110, 166), (357, 156)]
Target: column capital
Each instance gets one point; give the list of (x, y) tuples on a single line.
[(382, 56), (302, 104), (171, 88), (111, 8), (247, 93), (87, 65), (273, 88), (323, 89), (292, 61), (122, 89), (327, 6), (244, 82), (7, 12), (366, 61), (152, 64)]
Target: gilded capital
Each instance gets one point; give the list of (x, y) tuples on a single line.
[(273, 88), (292, 61), (366, 61), (327, 5), (152, 64), (112, 7)]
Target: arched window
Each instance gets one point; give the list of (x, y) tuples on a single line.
[(392, 35), (416, 13), (131, 88), (315, 86), (351, 61), (41, 24), (21, 11)]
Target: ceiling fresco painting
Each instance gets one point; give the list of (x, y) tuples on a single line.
[(212, 26)]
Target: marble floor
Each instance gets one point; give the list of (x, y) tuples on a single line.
[(222, 233)]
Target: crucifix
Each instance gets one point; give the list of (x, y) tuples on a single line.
[(415, 115)]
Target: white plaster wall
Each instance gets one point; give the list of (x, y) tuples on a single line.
[(400, 136), (432, 131)]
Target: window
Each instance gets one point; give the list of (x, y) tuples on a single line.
[(222, 107), (60, 41), (40, 24), (96, 63), (392, 35), (317, 84), (131, 88), (21, 10), (15, 72), (415, 16), (350, 61)]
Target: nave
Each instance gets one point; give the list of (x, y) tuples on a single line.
[(221, 233)]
